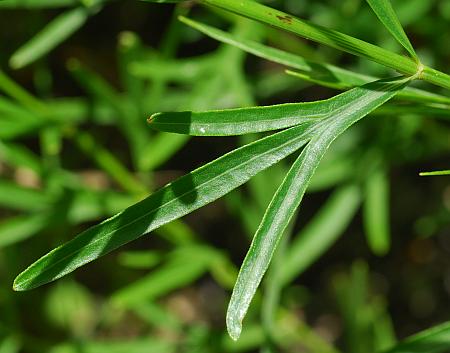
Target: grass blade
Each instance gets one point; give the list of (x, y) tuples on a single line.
[(386, 14), (53, 34), (433, 340), (290, 193), (173, 201)]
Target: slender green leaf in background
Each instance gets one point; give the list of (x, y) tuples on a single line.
[(185, 265), (53, 34), (385, 12), (22, 198), (173, 201), (376, 212), (433, 340), (290, 193), (139, 259), (18, 228), (437, 172), (321, 232), (35, 4)]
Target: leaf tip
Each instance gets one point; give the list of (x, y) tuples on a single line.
[(152, 117), (15, 62), (234, 326), (18, 285)]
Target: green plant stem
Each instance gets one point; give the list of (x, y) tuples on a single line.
[(435, 77), (332, 38), (317, 33)]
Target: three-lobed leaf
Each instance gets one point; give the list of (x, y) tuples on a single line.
[(290, 193)]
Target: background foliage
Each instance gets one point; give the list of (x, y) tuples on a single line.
[(75, 148)]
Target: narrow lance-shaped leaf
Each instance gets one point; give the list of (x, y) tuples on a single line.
[(385, 12), (173, 201), (433, 340), (240, 121), (321, 73), (329, 37), (376, 212), (52, 35), (33, 4), (291, 191), (435, 173), (248, 120)]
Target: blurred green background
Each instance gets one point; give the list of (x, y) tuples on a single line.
[(366, 262)]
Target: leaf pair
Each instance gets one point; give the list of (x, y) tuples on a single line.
[(215, 179)]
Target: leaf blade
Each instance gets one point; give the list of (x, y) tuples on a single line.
[(173, 201), (433, 340), (229, 122), (311, 31), (282, 207), (386, 14), (333, 76), (48, 38)]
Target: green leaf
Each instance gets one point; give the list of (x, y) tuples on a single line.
[(290, 193), (139, 259), (173, 201), (329, 37), (321, 232), (433, 340), (321, 73), (437, 172), (185, 265), (16, 229), (240, 121), (33, 4), (22, 198), (385, 12), (376, 212), (48, 38)]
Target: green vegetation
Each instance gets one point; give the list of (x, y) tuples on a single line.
[(69, 160)]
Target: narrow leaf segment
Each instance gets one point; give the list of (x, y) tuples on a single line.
[(173, 201), (385, 12), (289, 195)]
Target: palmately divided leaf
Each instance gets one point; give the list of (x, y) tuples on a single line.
[(290, 193), (173, 201), (386, 14)]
